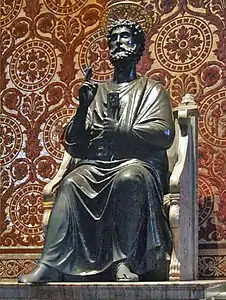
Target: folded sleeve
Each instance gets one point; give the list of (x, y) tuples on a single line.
[(153, 124)]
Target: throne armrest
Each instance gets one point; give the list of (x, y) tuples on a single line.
[(50, 189), (182, 148), (65, 167), (186, 143)]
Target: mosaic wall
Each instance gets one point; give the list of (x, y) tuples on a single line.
[(46, 48)]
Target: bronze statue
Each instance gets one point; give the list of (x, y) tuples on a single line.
[(108, 214)]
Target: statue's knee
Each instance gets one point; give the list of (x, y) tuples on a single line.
[(66, 183), (133, 174)]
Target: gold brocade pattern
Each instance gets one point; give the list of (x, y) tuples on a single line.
[(47, 47)]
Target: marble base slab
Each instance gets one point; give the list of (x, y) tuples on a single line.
[(183, 290)]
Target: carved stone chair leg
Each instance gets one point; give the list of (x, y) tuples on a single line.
[(174, 219), (174, 271)]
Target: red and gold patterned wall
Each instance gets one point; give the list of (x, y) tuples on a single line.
[(46, 48)]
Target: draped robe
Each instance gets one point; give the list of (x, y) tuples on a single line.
[(110, 207)]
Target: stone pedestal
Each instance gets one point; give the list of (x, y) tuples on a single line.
[(187, 290)]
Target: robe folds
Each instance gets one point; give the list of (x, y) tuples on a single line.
[(110, 207)]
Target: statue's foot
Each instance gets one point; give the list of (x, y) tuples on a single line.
[(123, 273), (41, 274)]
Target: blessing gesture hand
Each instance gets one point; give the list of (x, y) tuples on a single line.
[(87, 91)]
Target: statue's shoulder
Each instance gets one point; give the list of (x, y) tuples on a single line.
[(150, 83), (102, 84), (141, 81)]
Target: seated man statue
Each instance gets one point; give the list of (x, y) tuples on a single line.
[(108, 212)]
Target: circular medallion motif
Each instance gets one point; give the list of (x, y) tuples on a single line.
[(53, 130), (33, 65), (64, 7), (26, 209), (205, 201), (94, 53), (9, 11), (183, 44), (10, 139), (212, 120)]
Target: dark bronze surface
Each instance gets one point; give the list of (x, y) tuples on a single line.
[(108, 213)]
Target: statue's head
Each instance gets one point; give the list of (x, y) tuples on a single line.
[(126, 40)]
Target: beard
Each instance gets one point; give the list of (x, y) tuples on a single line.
[(122, 53)]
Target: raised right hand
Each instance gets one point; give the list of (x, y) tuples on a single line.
[(86, 94)]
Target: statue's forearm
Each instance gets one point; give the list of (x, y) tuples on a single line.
[(76, 130), (146, 136), (76, 136), (156, 135)]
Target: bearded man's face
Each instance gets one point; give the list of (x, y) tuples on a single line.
[(121, 44)]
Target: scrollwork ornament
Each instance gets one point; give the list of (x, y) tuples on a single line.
[(166, 7), (212, 266), (20, 29), (90, 15), (219, 165), (206, 155), (5, 180), (220, 51), (67, 29), (161, 75), (32, 107), (75, 85), (11, 268), (210, 74), (221, 209), (214, 7), (46, 23), (32, 8), (55, 94), (6, 41), (184, 84), (11, 99), (198, 3)]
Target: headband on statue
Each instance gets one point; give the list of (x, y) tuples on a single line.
[(126, 13)]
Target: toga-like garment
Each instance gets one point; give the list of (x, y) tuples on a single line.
[(110, 207)]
